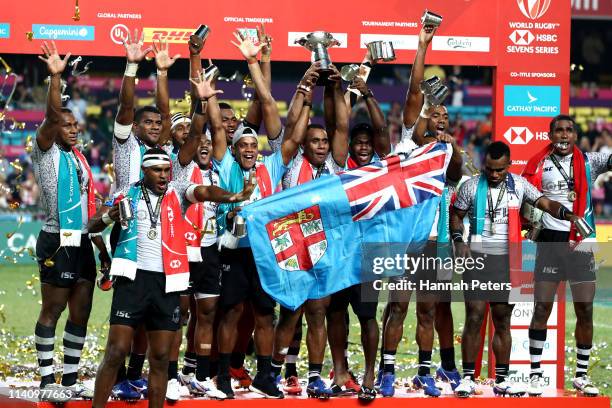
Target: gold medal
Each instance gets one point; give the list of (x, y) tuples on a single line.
[(152, 234), (572, 196)]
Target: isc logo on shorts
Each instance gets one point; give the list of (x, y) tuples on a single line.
[(550, 269), (68, 275), (121, 313)]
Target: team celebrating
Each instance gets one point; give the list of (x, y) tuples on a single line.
[(179, 255)]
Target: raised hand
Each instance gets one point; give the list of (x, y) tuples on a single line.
[(334, 77), (55, 64), (133, 47), (249, 187), (359, 84), (162, 57), (426, 34), (245, 45), (264, 39), (203, 87)]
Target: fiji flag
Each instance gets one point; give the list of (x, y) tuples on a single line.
[(308, 241)]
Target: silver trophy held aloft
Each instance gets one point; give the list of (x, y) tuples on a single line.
[(381, 51), (211, 73), (318, 42), (435, 90), (202, 31), (431, 19), (126, 214), (349, 72)]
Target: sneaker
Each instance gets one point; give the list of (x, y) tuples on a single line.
[(173, 390), (466, 388), (351, 385), (451, 377), (242, 376), (105, 281), (387, 385), (318, 389), (224, 384), (535, 387), (185, 379), (292, 386), (585, 386), (79, 390), (141, 385), (509, 388), (427, 384), (125, 391), (55, 393), (266, 386), (379, 376), (206, 387)]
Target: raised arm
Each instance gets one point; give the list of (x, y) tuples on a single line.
[(339, 140), (382, 142), (414, 98), (162, 95), (203, 91), (195, 65), (268, 104), (294, 135), (134, 53), (47, 131), (297, 102), (266, 53), (329, 109), (219, 195)]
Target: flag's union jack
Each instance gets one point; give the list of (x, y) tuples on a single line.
[(396, 182)]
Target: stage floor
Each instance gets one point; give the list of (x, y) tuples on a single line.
[(553, 399)]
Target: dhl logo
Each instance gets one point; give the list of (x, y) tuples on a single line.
[(171, 35)]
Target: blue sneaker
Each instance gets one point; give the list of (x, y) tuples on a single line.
[(125, 392), (378, 380), (318, 389), (451, 377), (387, 385), (427, 383), (141, 385)]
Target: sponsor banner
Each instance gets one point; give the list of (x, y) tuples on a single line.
[(520, 345), (170, 35), (5, 30), (63, 32), (523, 312), (293, 36), (519, 373), (522, 100), (469, 44), (400, 42)]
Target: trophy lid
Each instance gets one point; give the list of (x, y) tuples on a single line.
[(317, 38)]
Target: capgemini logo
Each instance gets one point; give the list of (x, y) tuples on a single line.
[(533, 9)]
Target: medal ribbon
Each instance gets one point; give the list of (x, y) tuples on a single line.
[(153, 216), (568, 179), (492, 209)]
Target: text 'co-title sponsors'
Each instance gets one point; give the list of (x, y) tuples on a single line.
[(533, 37)]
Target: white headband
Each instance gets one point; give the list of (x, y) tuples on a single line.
[(155, 159)]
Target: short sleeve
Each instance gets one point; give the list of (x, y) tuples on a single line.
[(465, 195), (224, 167), (598, 162), (275, 144)]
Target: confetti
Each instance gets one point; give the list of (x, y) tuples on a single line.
[(75, 66), (77, 12), (9, 235), (29, 35)]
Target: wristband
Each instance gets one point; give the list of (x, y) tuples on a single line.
[(307, 104), (424, 113), (457, 236), (304, 88), (367, 95), (106, 219), (199, 108), (367, 64), (131, 69), (563, 212), (162, 73)]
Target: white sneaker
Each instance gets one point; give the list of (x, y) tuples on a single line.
[(206, 387), (509, 388), (584, 385), (184, 379), (173, 391), (55, 393), (535, 387), (466, 388), (79, 390)]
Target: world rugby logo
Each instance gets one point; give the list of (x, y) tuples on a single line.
[(533, 9)]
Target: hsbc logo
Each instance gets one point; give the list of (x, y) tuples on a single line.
[(190, 236), (518, 135), (521, 37), (118, 33), (175, 264), (533, 9)]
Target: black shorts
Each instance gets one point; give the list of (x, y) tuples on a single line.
[(362, 297), (240, 281), (70, 263), (144, 300), (205, 276), (489, 280), (556, 262)]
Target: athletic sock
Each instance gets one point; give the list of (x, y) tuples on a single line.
[(501, 372), (537, 338), (314, 372), (134, 370), (389, 361), (424, 363), (237, 360), (277, 366), (291, 362), (202, 371), (469, 370), (264, 365), (189, 363), (224, 364), (45, 340), (447, 356), (583, 353), (172, 370), (74, 338)]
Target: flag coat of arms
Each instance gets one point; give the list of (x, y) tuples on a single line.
[(308, 241)]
